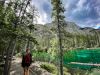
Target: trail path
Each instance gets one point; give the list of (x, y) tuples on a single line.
[(35, 68)]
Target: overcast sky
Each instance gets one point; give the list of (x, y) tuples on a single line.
[(85, 13)]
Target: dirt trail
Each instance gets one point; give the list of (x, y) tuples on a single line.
[(35, 68), (16, 68)]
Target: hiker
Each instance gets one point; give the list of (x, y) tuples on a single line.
[(26, 61)]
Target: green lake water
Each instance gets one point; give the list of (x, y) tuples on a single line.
[(91, 56)]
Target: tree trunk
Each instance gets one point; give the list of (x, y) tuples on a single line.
[(60, 49), (7, 59), (12, 53), (9, 54)]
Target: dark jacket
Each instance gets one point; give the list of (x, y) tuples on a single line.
[(23, 61)]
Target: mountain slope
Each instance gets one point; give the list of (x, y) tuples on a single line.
[(74, 36)]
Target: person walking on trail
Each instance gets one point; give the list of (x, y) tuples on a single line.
[(26, 61)]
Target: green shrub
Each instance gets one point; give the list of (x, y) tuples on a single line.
[(66, 73), (42, 56), (95, 72), (49, 67), (53, 69), (18, 55)]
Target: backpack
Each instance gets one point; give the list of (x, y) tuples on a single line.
[(27, 58)]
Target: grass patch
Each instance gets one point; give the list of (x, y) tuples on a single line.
[(53, 69), (49, 67)]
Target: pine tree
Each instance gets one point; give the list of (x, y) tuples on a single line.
[(58, 18)]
